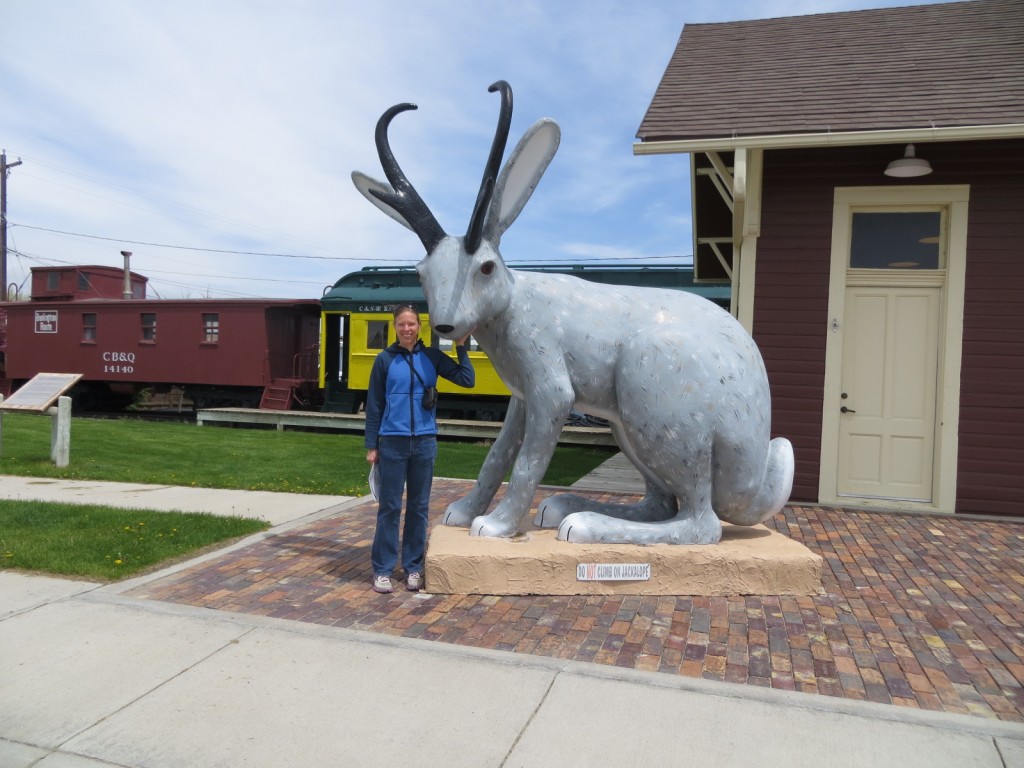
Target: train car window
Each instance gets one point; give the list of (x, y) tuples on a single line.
[(376, 334), (83, 281), (89, 327), (211, 327), (148, 326), (52, 281), (448, 346)]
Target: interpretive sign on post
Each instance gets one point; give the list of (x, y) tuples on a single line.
[(40, 392), (38, 396)]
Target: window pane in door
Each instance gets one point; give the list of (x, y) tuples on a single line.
[(896, 240)]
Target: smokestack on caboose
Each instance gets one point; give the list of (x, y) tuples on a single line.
[(126, 290)]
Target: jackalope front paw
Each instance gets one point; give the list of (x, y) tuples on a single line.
[(488, 525), (459, 513)]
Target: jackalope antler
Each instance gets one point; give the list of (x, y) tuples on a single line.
[(680, 381)]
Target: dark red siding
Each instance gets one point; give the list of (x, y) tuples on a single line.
[(991, 466), (790, 308), (791, 304)]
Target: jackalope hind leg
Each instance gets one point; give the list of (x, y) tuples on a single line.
[(496, 465), (656, 506), (687, 472), (590, 527)]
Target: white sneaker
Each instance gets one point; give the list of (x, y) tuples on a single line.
[(382, 584), (414, 583)]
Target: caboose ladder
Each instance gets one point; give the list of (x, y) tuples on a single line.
[(277, 396)]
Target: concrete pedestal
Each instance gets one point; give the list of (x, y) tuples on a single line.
[(748, 561)]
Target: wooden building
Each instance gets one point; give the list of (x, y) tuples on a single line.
[(887, 297)]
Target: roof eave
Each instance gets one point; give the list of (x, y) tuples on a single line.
[(829, 139)]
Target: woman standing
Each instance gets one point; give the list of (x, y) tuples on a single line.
[(401, 438)]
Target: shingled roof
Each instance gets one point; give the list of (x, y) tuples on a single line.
[(925, 66)]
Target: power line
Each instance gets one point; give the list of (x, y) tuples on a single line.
[(49, 260), (233, 277), (566, 260), (162, 202), (183, 247)]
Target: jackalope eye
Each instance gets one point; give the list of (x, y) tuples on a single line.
[(487, 267)]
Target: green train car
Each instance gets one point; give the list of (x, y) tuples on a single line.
[(356, 324)]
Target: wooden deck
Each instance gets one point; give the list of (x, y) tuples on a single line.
[(345, 422)]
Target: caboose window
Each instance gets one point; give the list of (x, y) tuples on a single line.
[(148, 326), (211, 327), (376, 334), (89, 327), (83, 281)]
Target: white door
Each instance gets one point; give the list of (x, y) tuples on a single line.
[(887, 399), (890, 411)]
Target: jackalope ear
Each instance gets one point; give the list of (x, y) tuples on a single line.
[(365, 184), (521, 175)]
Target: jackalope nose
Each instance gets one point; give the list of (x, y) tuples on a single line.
[(444, 328)]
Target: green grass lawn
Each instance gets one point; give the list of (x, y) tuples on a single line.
[(249, 459), (106, 544)]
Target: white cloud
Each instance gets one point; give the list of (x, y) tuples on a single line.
[(235, 125)]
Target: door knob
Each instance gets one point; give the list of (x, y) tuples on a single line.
[(844, 409)]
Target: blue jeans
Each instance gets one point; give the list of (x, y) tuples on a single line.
[(406, 463)]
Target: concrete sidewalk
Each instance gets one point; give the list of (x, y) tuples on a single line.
[(275, 508), (90, 677)]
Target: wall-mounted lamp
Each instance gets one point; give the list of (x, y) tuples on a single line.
[(908, 165)]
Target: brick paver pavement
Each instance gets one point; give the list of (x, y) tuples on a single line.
[(916, 610)]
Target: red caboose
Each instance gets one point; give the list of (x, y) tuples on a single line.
[(98, 322)]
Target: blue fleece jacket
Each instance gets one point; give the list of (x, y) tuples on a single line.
[(395, 395)]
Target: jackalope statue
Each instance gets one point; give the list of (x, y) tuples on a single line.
[(680, 381)]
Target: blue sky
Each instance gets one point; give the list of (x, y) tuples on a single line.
[(216, 140)]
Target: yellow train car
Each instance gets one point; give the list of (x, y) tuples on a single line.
[(357, 323), (370, 332)]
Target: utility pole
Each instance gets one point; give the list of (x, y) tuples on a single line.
[(5, 168)]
